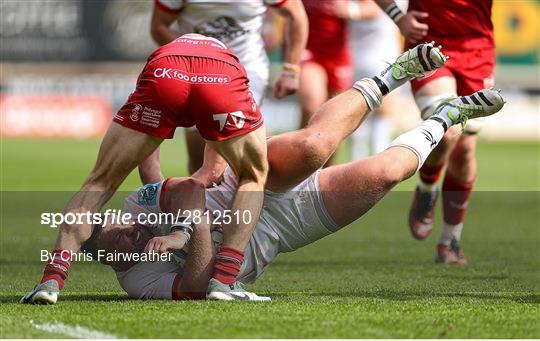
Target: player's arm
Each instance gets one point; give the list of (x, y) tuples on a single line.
[(410, 24), (295, 43), (160, 27), (198, 268), (185, 199), (212, 169)]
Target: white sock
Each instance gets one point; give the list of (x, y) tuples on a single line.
[(391, 83), (449, 233), (443, 114), (371, 92), (424, 187), (380, 133), (422, 139)]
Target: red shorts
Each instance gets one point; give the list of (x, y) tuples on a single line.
[(182, 91), (339, 71), (472, 69)]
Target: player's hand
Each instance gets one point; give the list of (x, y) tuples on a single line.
[(285, 85), (411, 26), (165, 244)]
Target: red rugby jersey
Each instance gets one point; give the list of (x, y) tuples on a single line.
[(458, 24), (328, 34)]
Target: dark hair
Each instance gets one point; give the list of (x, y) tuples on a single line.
[(90, 246)]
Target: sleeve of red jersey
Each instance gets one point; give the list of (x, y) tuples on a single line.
[(274, 3), (170, 6)]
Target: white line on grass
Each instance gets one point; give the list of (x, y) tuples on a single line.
[(72, 331)]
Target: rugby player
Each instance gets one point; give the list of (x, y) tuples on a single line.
[(194, 80), (302, 202), (237, 24), (327, 67), (378, 40), (465, 29)]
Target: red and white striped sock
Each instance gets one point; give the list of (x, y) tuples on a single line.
[(58, 267), (455, 195), (227, 265)]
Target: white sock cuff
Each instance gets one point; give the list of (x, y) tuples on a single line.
[(371, 92), (421, 140)]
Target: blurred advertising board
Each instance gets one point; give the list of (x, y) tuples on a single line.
[(53, 116), (120, 30), (517, 31), (75, 30)]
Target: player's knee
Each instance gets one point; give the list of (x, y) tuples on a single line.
[(315, 148), (428, 104), (392, 174), (256, 172)]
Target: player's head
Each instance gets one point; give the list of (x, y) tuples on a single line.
[(116, 238)]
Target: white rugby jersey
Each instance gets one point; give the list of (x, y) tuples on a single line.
[(237, 23), (288, 221)]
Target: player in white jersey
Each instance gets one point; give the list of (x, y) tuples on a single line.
[(238, 24), (302, 203), (376, 41)]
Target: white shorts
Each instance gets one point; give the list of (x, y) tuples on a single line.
[(288, 221)]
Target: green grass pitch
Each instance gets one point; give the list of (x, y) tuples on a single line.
[(369, 280)]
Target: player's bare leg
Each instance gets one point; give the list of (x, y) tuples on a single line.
[(294, 156), (458, 151), (247, 157), (456, 189), (150, 169), (195, 148), (313, 90), (350, 190), (121, 150)]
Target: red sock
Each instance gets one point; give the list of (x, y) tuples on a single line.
[(227, 265), (455, 199), (429, 174), (57, 268)]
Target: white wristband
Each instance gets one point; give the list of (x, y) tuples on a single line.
[(394, 12)]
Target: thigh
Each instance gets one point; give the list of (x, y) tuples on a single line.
[(442, 82), (245, 154), (221, 103), (121, 150), (350, 190), (313, 90)]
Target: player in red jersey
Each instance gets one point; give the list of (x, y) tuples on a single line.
[(465, 30), (194, 80), (238, 24), (326, 64)]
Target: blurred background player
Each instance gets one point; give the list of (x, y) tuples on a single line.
[(375, 42), (327, 67), (465, 30), (238, 24)]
